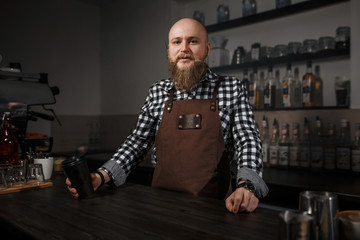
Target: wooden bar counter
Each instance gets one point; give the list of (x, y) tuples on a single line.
[(131, 211)]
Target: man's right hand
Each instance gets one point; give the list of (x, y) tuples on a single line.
[(95, 181)]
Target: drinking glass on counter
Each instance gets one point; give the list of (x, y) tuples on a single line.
[(3, 183), (296, 225), (324, 207), (35, 174)]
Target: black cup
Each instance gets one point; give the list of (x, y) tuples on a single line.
[(76, 169)]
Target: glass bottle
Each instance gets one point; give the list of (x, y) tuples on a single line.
[(288, 88), (8, 142), (355, 153), (278, 92), (318, 87), (255, 91), (343, 149), (294, 161), (269, 90), (308, 86), (273, 148), (265, 141), (246, 80), (305, 146), (330, 147), (298, 95), (283, 146), (317, 147)]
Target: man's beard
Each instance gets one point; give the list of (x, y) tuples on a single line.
[(186, 79)]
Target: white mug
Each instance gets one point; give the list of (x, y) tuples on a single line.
[(47, 164)]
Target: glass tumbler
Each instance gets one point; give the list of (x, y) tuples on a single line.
[(326, 43), (294, 47), (310, 46), (343, 37), (280, 50), (35, 174)]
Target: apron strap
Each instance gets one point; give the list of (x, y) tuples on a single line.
[(170, 101), (213, 100)]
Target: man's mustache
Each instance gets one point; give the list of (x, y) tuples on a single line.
[(184, 55)]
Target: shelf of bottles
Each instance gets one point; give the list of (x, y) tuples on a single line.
[(272, 14), (293, 58), (285, 147)]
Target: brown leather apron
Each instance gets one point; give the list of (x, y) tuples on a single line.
[(190, 149)]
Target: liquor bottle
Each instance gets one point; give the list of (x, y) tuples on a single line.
[(355, 153), (330, 147), (265, 141), (343, 149), (317, 147), (318, 87), (255, 90), (288, 88), (294, 161), (278, 93), (8, 142), (308, 86), (298, 95), (284, 146), (270, 90), (273, 147), (246, 80), (305, 146)]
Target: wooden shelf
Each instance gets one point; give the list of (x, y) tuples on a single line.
[(320, 55), (299, 108), (272, 14)]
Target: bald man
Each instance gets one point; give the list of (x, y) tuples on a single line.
[(199, 121)]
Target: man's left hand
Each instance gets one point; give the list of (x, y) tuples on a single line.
[(242, 200)]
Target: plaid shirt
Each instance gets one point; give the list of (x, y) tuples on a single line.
[(237, 121)]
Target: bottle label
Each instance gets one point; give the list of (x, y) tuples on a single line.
[(283, 155), (356, 160), (265, 148), (317, 157), (343, 158), (286, 97), (273, 155), (294, 156), (329, 158), (306, 93)]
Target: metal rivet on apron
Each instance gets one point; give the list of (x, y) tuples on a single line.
[(197, 115), (212, 108), (180, 126), (197, 126), (180, 116)]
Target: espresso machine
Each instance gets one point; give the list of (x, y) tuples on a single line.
[(19, 92)]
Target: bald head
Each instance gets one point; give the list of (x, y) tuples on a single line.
[(189, 25)]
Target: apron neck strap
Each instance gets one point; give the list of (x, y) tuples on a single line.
[(213, 100)]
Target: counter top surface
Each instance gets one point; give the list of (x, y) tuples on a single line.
[(129, 212)]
